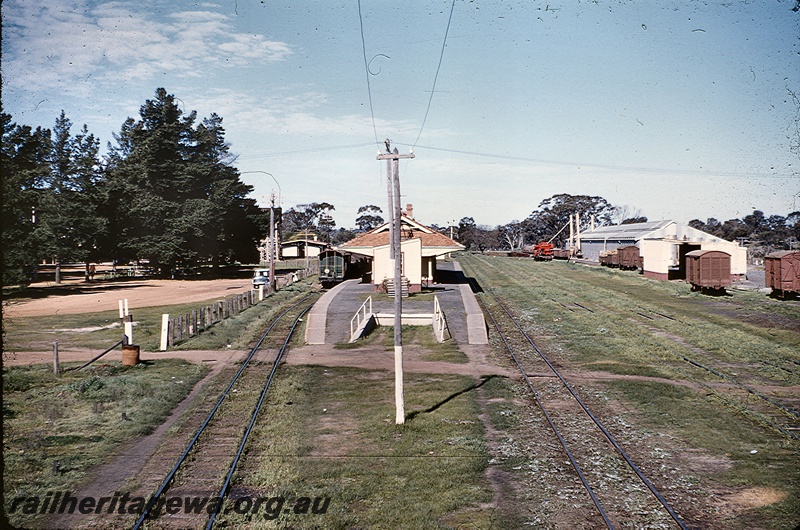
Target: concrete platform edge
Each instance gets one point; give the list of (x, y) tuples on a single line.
[(318, 315)]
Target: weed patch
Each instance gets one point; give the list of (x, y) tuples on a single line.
[(330, 432), (57, 428)]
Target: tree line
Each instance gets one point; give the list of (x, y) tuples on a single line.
[(550, 222), (166, 192)]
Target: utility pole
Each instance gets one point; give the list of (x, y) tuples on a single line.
[(272, 282), (393, 185)]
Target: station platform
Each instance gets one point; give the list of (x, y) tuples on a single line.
[(329, 319)]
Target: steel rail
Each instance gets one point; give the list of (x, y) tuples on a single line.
[(224, 490), (757, 416), (597, 422), (561, 440), (182, 459)]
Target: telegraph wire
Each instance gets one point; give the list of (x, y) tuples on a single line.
[(366, 70), (303, 151), (438, 67), (603, 166)]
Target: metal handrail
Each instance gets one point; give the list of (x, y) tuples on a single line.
[(439, 322), (357, 318)]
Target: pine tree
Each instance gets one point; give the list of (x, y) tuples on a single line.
[(24, 164), (178, 199)]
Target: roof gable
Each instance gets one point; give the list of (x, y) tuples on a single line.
[(404, 221), (410, 229)]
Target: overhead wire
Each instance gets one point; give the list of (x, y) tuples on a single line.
[(304, 151), (438, 67), (366, 70), (602, 166)]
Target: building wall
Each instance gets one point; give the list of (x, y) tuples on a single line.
[(382, 267), (738, 256), (592, 249), (291, 252), (297, 251), (662, 249), (659, 256)]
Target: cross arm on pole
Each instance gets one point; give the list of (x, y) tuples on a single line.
[(394, 156)]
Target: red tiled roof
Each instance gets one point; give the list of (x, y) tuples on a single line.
[(377, 239)]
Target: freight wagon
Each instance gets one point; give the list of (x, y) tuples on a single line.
[(629, 258), (782, 273), (708, 270)]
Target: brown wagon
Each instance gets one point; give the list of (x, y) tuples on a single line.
[(609, 258), (782, 272), (708, 270), (628, 257), (561, 253)]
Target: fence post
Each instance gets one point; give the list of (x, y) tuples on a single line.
[(56, 367), (128, 325), (164, 331)]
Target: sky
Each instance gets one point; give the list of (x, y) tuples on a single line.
[(673, 109)]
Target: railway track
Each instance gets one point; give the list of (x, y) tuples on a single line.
[(693, 363), (619, 491), (207, 465)]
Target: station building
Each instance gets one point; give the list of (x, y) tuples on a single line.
[(420, 247), (663, 246), (302, 247)]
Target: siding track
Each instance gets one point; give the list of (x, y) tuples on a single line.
[(737, 352), (579, 440), (684, 347), (210, 459)]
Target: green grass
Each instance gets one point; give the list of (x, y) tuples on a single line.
[(422, 336), (239, 331), (75, 419), (702, 423), (330, 433), (743, 336)]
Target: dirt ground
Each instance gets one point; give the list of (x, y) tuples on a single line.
[(74, 298)]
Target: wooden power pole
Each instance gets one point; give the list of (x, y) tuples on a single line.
[(393, 186), (272, 281)]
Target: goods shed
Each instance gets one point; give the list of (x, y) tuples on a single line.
[(663, 246), (420, 246)]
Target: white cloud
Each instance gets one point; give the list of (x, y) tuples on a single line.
[(50, 45)]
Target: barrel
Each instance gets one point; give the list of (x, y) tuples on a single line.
[(130, 355)]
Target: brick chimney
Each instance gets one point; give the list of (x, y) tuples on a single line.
[(410, 211)]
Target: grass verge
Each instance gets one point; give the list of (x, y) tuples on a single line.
[(329, 433), (609, 321), (57, 428)]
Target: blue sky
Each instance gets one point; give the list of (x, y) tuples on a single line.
[(676, 109)]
